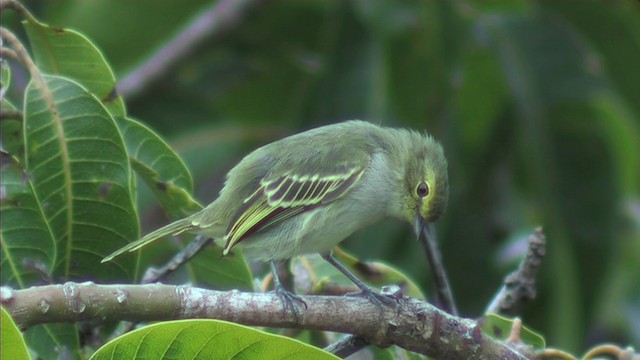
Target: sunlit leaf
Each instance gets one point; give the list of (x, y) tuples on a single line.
[(211, 339), (13, 345)]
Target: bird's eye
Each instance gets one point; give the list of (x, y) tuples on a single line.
[(423, 189)]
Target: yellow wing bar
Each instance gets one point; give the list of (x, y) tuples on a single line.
[(279, 199)]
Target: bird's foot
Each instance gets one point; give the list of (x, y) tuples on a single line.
[(289, 299), (380, 300)]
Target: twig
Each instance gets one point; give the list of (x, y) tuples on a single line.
[(519, 286), (11, 115), (212, 21), (18, 8), (153, 275), (347, 346), (444, 295), (412, 324)]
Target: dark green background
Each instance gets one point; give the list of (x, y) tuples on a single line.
[(537, 104)]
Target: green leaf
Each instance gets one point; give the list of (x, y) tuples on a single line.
[(373, 273), (11, 137), (160, 167), (206, 339), (68, 53), (13, 345), (209, 268), (80, 171), (28, 246), (5, 76), (500, 327), (54, 341)]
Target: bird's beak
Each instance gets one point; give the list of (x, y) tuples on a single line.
[(421, 227)]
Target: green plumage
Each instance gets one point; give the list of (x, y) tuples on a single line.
[(307, 192)]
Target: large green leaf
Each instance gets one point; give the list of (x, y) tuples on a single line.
[(160, 167), (68, 53), (28, 245), (205, 339), (80, 171), (13, 346)]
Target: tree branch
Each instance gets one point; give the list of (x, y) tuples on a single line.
[(212, 21), (520, 286), (412, 324)]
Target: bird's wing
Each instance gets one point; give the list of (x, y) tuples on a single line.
[(279, 198)]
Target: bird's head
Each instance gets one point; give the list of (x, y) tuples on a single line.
[(426, 183)]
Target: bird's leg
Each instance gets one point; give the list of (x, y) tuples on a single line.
[(365, 290), (287, 297)]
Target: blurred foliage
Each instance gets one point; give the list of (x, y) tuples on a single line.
[(537, 104)]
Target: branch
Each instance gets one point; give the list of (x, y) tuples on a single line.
[(412, 324), (520, 286), (218, 18)]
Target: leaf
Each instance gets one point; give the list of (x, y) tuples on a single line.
[(79, 167), (500, 327), (205, 339), (69, 53), (211, 269), (374, 273), (5, 76), (13, 345), (160, 167), (11, 137), (54, 341), (28, 246)]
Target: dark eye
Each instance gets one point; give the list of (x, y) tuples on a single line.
[(423, 189)]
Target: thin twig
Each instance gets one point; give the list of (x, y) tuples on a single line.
[(212, 21), (18, 8), (11, 115), (444, 295), (347, 346), (193, 248), (519, 286)]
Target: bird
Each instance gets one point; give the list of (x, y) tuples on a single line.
[(305, 193)]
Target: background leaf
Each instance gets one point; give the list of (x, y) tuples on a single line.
[(66, 52), (28, 245), (160, 167)]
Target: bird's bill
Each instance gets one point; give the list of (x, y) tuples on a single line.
[(421, 227)]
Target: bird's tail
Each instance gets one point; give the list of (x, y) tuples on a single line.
[(174, 228)]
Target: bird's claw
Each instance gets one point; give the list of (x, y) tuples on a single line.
[(289, 299), (380, 300)]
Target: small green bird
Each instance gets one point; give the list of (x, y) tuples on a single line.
[(306, 193)]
